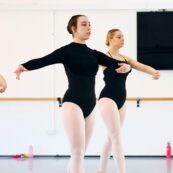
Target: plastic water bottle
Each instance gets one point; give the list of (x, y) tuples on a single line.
[(168, 150), (30, 151)]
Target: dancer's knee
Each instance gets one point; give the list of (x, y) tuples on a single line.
[(115, 137), (78, 153)]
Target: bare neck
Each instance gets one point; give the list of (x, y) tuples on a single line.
[(76, 40), (114, 52)]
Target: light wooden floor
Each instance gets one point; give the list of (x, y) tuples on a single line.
[(58, 165)]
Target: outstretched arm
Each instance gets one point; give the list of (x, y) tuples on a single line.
[(3, 84), (144, 68), (56, 56)]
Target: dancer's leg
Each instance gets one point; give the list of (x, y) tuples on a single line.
[(111, 117), (74, 124)]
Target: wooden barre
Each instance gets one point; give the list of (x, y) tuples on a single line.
[(150, 98), (58, 98), (28, 99)]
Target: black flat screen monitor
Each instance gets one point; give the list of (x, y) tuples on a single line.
[(155, 39)]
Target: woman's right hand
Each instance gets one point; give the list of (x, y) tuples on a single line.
[(19, 70)]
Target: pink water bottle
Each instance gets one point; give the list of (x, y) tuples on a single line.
[(30, 151), (168, 150)]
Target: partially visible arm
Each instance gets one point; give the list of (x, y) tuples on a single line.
[(3, 84), (120, 67), (105, 60), (104, 67), (144, 68)]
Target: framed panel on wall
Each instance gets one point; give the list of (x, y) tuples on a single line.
[(155, 39)]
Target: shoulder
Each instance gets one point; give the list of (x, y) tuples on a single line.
[(98, 53), (62, 48), (127, 58)]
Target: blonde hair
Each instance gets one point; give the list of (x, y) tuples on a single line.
[(110, 35)]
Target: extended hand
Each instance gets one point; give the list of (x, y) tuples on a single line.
[(156, 75), (2, 88), (19, 70), (3, 84)]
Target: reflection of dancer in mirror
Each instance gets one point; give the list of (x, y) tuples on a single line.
[(112, 100), (81, 65), (3, 84)]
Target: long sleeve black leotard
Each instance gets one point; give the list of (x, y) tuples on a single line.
[(81, 65)]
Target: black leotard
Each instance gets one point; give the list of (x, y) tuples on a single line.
[(81, 65), (115, 85)]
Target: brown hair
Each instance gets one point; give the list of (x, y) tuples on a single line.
[(110, 35), (73, 22)]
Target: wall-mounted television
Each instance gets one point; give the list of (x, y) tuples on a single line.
[(155, 39)]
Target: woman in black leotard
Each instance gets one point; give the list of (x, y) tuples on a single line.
[(112, 99), (81, 65), (3, 84)]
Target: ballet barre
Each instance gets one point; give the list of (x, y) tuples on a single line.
[(59, 98)]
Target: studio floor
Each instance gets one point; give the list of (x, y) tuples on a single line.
[(58, 165)]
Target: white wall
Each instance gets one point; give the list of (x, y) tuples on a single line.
[(27, 34), (86, 4)]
